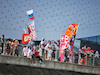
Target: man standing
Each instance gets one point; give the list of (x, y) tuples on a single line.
[(42, 45), (24, 51), (2, 42), (32, 55), (53, 52), (41, 48)]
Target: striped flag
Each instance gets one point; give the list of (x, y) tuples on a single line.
[(57, 43), (32, 31), (30, 14)]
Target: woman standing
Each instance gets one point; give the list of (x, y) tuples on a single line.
[(16, 47), (48, 51), (12, 51), (8, 44)]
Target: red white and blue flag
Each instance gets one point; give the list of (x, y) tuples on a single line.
[(30, 14)]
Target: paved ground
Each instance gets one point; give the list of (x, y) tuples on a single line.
[(7, 69)]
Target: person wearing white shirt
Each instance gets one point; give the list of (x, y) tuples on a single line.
[(42, 46), (28, 50), (32, 55), (48, 50), (24, 52)]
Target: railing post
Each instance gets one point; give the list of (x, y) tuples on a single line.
[(56, 55), (93, 59), (4, 48)]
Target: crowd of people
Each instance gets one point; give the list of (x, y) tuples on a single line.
[(11, 47), (43, 50), (80, 57), (84, 54), (30, 50)]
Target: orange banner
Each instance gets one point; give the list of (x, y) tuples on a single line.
[(67, 41)]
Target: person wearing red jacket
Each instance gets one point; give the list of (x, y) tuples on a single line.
[(37, 55)]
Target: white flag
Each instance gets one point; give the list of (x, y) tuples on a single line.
[(31, 26)]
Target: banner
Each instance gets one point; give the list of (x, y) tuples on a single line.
[(25, 38), (31, 30), (67, 42), (64, 40), (30, 14)]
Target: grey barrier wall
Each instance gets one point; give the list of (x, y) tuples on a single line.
[(50, 64)]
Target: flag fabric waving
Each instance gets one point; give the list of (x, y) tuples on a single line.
[(87, 51), (67, 41), (71, 30), (25, 38), (32, 31), (71, 33), (30, 14)]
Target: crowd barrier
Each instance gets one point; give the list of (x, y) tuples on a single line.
[(92, 60)]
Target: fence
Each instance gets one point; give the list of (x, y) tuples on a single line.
[(92, 60)]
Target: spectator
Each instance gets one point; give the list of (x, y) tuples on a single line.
[(31, 43), (48, 51), (85, 47), (37, 55), (32, 55), (2, 42), (76, 57), (42, 46), (8, 44), (12, 51), (16, 47), (28, 50), (84, 53), (66, 58), (81, 58), (53, 52), (24, 51)]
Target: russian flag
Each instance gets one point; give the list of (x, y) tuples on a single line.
[(30, 14)]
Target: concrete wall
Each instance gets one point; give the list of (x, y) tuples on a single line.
[(51, 65), (8, 69)]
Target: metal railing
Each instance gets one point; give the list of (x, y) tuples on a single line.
[(91, 60)]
